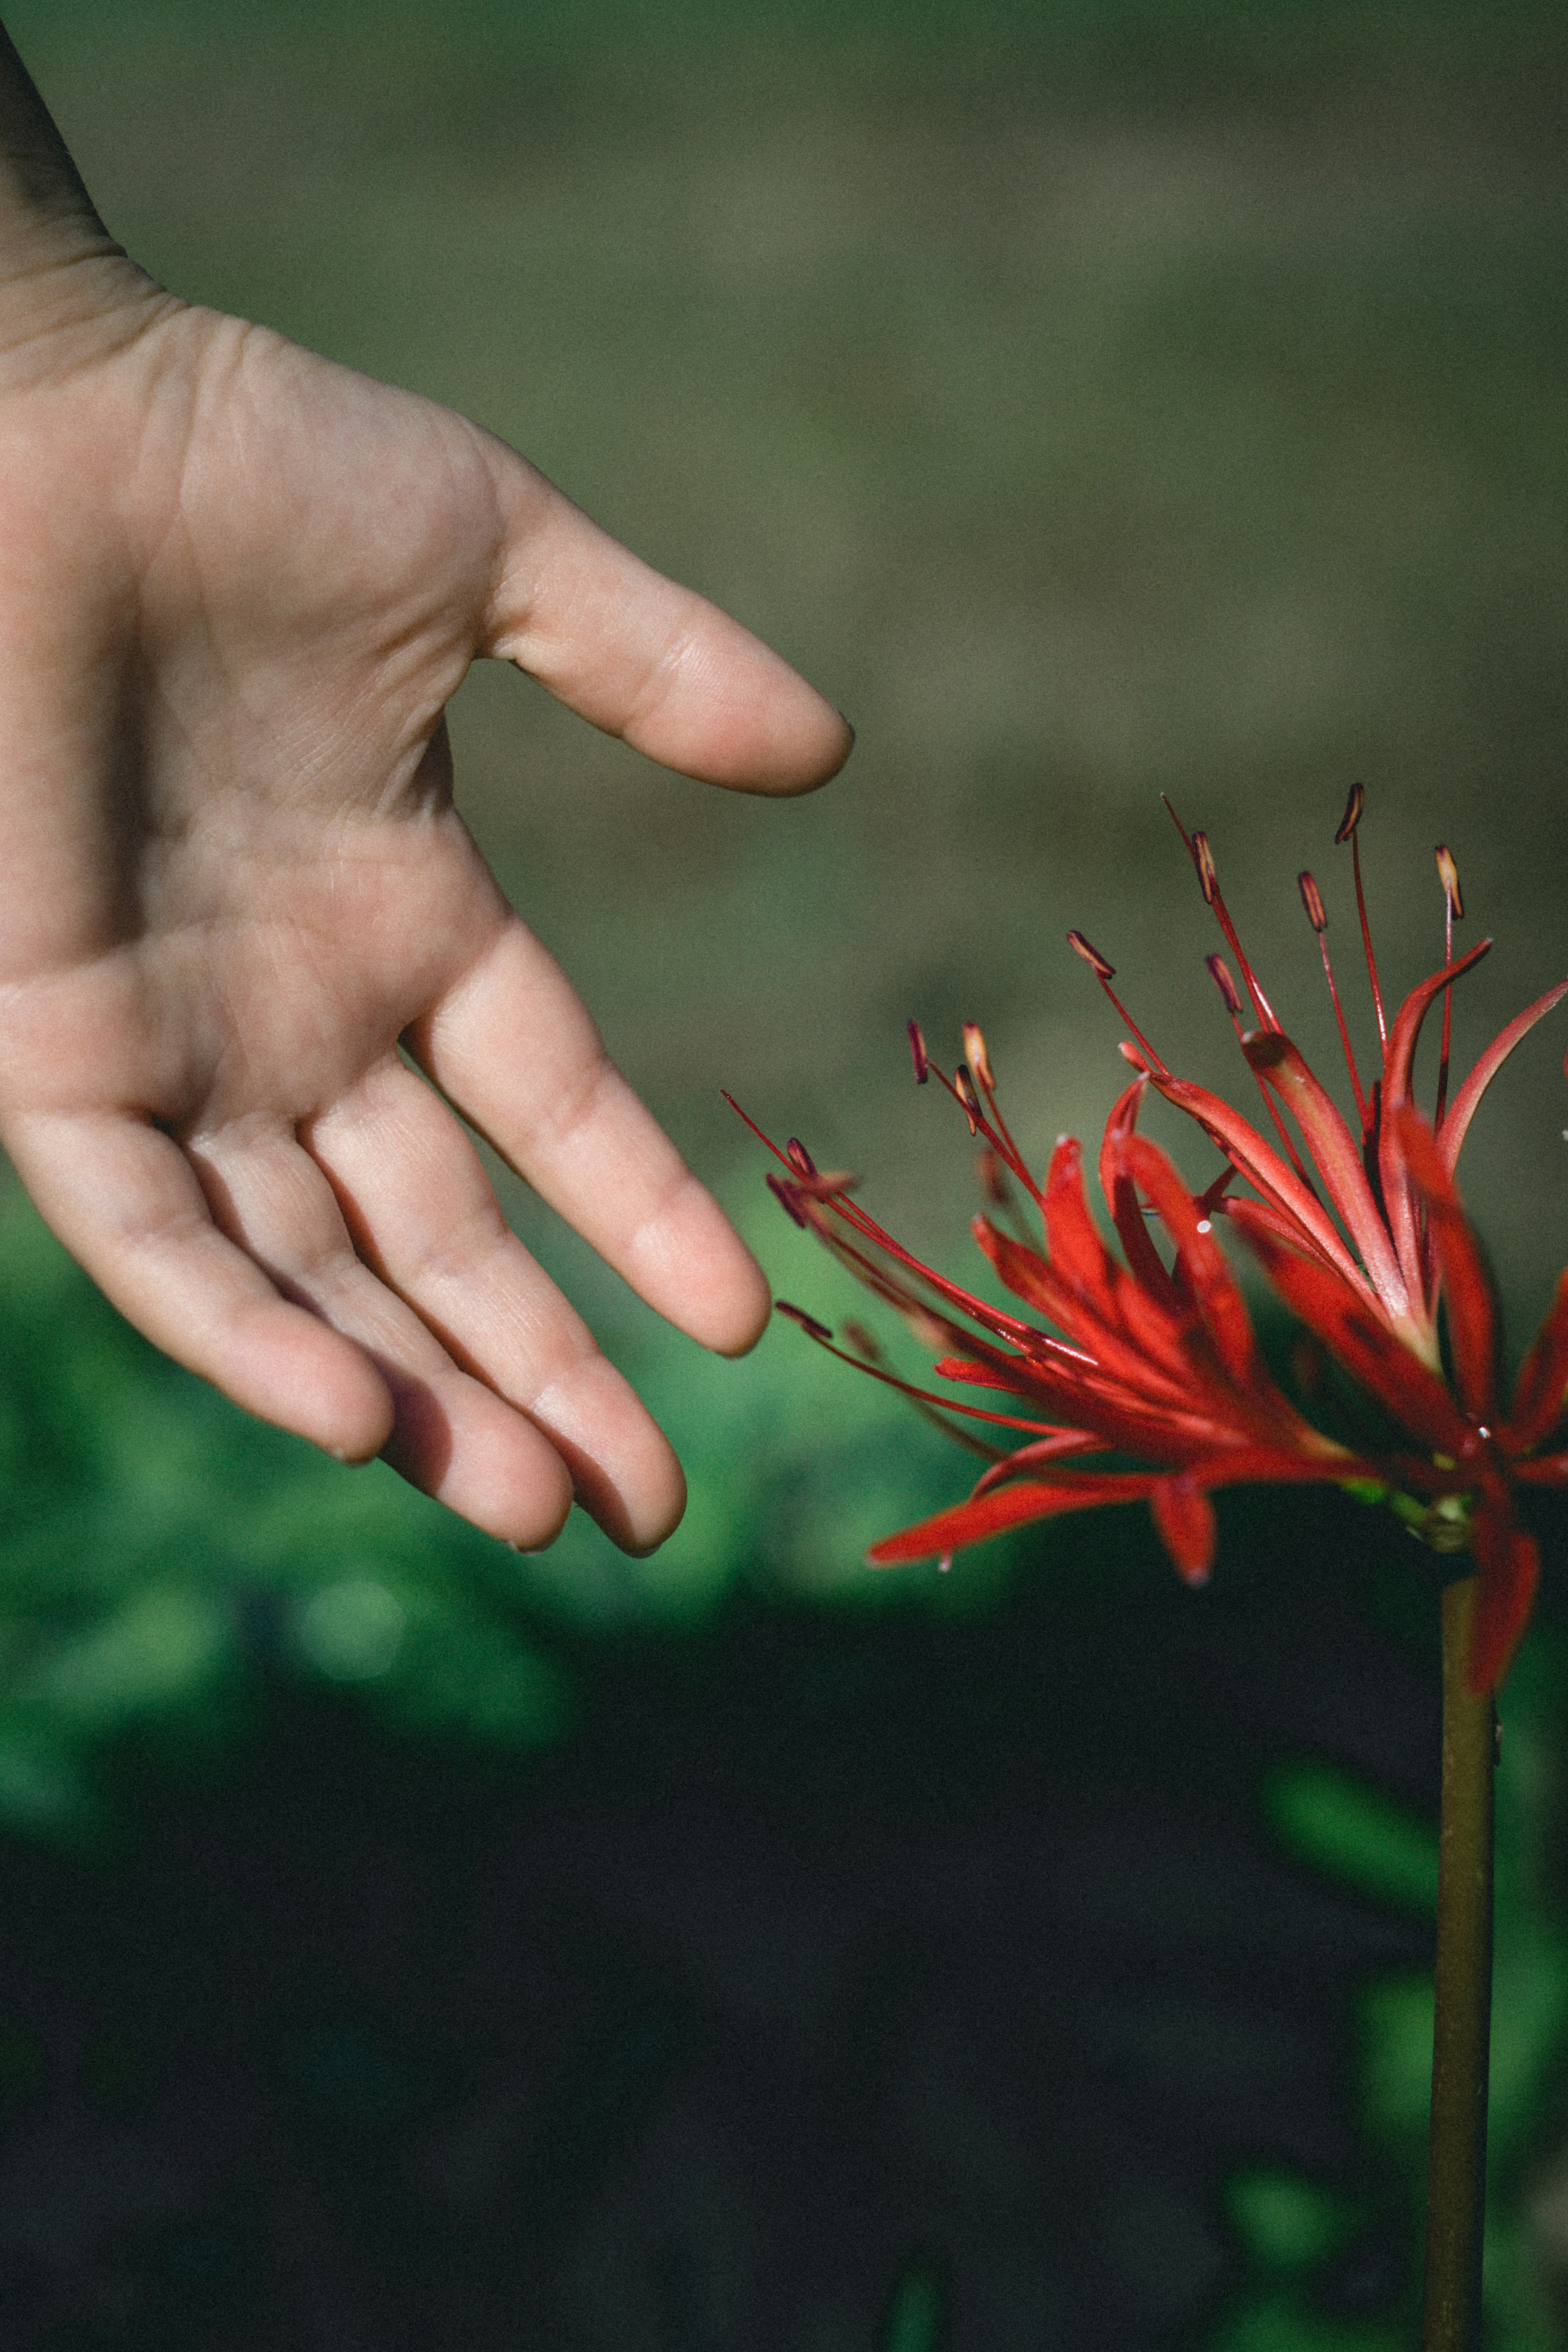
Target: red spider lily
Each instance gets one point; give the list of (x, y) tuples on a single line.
[(1361, 1235)]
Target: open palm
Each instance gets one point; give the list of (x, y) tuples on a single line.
[(238, 586)]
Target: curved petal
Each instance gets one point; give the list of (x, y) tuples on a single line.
[(1510, 1564), (1462, 1109), (1010, 1507), (1121, 1200), (1541, 1393), (1363, 1343), (1078, 1256), (1267, 1172), (1336, 1155), (1184, 1520), (1472, 1317), (1398, 1058), (1546, 1470), (1211, 1285)]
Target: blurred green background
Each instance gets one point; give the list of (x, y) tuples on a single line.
[(1094, 400)]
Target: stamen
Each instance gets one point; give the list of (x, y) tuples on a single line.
[(808, 1323), (1312, 899), (1453, 911), (787, 1199), (1448, 873), (1220, 974), (975, 1054), (1202, 856), (799, 1158), (1349, 830), (918, 1048), (1105, 973), (1092, 956), (963, 1088)]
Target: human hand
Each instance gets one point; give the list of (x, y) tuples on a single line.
[(238, 586)]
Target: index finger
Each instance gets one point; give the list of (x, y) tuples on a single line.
[(643, 657)]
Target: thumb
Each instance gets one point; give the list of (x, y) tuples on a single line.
[(645, 659)]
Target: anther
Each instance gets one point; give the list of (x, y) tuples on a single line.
[(808, 1323), (1312, 899), (993, 1182), (975, 1054), (1203, 858), (1354, 804), (1448, 875), (1220, 974), (1092, 956), (864, 1343), (787, 1199), (799, 1158), (963, 1088), (918, 1048)]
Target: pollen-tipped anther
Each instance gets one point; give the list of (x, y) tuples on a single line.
[(963, 1088), (975, 1054), (1092, 956), (918, 1048), (1354, 803), (799, 1158), (1221, 974), (1312, 899), (1448, 875), (1203, 858)]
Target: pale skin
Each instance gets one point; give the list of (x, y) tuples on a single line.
[(238, 585)]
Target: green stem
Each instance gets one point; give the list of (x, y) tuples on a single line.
[(1456, 2178)]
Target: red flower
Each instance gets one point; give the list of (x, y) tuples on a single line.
[(1363, 1238)]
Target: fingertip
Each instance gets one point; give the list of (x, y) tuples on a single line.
[(692, 1265)]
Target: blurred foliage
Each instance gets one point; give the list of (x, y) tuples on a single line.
[(167, 1559), (1296, 2233)]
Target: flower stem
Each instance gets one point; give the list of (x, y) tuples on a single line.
[(1455, 2181)]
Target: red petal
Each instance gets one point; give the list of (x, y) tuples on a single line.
[(1472, 1319), (1078, 1253), (1540, 1391), (1164, 1378), (1398, 1056), (1209, 1281), (1010, 1507), (1546, 1470), (1510, 1564), (1344, 1321), (1266, 1171), (1462, 1109), (1335, 1153), (1183, 1515), (1121, 1200), (1057, 1447)]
